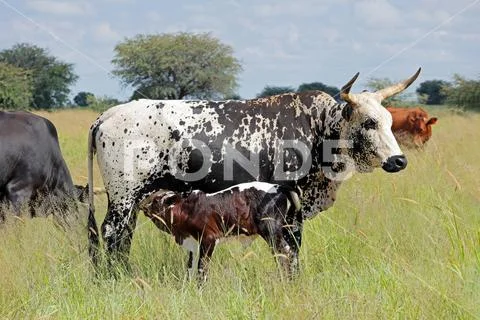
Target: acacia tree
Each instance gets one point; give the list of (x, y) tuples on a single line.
[(51, 78), (15, 87), (177, 66)]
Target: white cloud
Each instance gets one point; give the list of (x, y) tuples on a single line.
[(429, 16), (252, 52), (293, 34), (60, 7), (330, 35), (20, 26), (154, 16), (290, 8), (357, 46), (103, 32), (48, 33), (377, 13)]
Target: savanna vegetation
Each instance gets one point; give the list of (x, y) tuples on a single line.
[(403, 245), (394, 246)]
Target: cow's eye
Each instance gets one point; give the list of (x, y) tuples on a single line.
[(370, 124)]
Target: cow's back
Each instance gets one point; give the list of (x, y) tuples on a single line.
[(136, 142), (29, 149)]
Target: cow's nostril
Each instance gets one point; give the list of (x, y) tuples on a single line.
[(401, 162), (395, 163)]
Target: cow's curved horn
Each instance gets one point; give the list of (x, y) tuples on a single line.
[(397, 88), (345, 91)]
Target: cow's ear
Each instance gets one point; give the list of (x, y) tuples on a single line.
[(347, 111), (432, 121)]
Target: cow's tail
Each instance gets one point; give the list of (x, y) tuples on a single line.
[(93, 236)]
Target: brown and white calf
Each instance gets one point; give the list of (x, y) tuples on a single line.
[(256, 208)]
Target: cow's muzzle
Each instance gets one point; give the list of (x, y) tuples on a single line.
[(395, 163)]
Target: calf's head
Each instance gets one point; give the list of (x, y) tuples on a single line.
[(367, 128), (159, 202)]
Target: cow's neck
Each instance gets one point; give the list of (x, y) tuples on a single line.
[(321, 185), (319, 194)]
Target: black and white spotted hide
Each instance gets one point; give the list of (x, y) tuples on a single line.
[(304, 140)]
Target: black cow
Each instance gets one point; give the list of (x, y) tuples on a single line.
[(31, 165)]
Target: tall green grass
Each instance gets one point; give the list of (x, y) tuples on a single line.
[(394, 246)]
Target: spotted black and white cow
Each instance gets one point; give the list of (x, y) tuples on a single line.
[(290, 139)]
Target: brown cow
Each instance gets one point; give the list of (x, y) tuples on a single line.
[(411, 126)]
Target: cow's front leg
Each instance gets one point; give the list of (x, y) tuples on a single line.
[(285, 244), (289, 251), (292, 236), (117, 232)]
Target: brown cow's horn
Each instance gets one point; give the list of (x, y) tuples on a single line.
[(396, 88), (345, 92)]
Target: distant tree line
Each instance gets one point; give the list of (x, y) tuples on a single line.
[(174, 66), (460, 93), (273, 90)]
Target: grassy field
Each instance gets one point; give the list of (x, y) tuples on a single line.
[(394, 246)]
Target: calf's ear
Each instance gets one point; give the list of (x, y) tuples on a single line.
[(171, 199), (432, 121)]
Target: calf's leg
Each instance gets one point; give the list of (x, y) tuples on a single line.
[(192, 246), (205, 255)]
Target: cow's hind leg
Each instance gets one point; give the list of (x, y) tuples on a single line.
[(290, 248), (292, 235), (117, 232), (284, 240)]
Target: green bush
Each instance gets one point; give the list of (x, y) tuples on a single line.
[(101, 104)]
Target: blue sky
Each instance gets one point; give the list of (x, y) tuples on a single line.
[(278, 42)]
